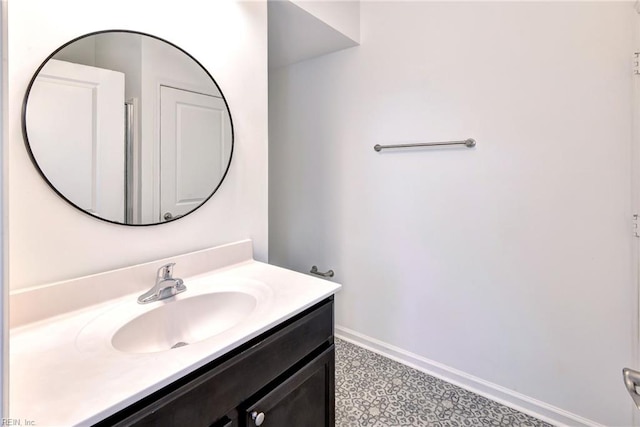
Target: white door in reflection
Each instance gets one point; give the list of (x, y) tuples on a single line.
[(76, 121), (195, 144)]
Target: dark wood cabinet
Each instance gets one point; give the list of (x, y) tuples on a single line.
[(303, 399), (225, 422), (284, 377)]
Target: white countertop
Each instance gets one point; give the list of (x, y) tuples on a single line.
[(57, 379)]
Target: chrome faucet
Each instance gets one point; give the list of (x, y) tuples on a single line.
[(166, 286)]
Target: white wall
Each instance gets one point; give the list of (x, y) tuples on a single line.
[(50, 240), (302, 30), (510, 262), (343, 15), (81, 51)]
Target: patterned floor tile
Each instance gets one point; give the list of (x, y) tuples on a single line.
[(374, 391)]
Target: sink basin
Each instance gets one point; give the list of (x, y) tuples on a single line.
[(187, 321), (211, 307)]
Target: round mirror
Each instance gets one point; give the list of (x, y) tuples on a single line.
[(128, 128)]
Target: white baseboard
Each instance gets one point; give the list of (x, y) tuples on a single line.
[(510, 398)]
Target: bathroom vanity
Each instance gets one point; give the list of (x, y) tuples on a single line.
[(264, 356), (285, 377)]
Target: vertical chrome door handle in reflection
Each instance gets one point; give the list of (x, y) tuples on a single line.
[(632, 381)]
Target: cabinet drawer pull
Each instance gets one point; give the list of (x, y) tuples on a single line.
[(258, 417)]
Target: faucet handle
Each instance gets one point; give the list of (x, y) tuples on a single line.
[(166, 271)]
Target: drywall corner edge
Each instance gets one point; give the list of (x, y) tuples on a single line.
[(4, 276), (344, 16)]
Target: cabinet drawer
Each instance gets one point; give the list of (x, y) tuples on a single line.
[(311, 388), (220, 387)]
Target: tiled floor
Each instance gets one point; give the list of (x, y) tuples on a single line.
[(372, 390)]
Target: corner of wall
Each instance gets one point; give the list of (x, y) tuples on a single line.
[(343, 16), (4, 298)]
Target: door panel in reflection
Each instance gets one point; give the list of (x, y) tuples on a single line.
[(80, 110), (195, 145)]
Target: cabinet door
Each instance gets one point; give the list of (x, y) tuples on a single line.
[(304, 399)]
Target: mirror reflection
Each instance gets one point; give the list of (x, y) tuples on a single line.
[(128, 128)]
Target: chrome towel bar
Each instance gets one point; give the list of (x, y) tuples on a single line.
[(314, 270), (467, 142), (632, 381)]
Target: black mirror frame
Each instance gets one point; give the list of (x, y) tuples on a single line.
[(44, 177)]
